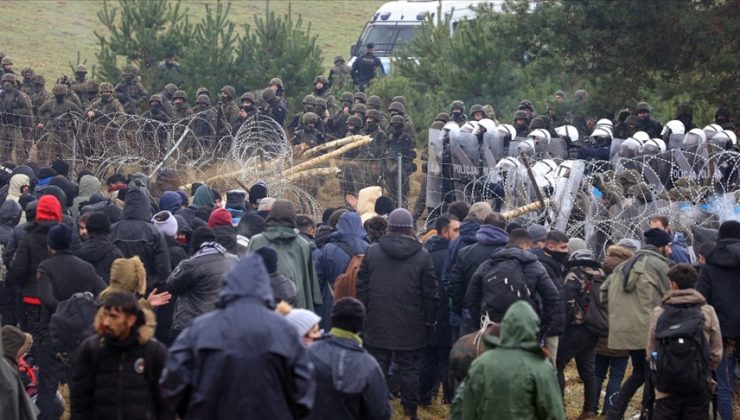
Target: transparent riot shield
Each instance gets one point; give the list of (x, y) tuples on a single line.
[(466, 158), (675, 141), (493, 150), (564, 195), (558, 148), (434, 169), (615, 147)]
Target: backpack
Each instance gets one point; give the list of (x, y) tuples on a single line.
[(596, 318), (682, 361), (346, 283), (503, 284), (71, 324)]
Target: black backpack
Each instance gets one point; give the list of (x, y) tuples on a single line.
[(503, 285), (682, 362), (71, 324), (596, 318)]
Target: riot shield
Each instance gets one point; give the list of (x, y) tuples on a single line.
[(558, 148), (493, 150), (675, 141), (566, 189), (515, 146), (615, 147), (466, 158), (434, 169)]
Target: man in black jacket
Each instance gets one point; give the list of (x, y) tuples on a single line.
[(718, 282), (59, 277), (117, 370), (98, 249), (359, 392), (398, 286)]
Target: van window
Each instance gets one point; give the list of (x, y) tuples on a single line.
[(388, 37)]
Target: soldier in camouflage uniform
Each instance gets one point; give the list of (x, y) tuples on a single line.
[(399, 142), (27, 83), (375, 102), (130, 92), (158, 132), (181, 107), (166, 95), (397, 108), (308, 135), (15, 113), (57, 117), (276, 84), (81, 86), (337, 124), (353, 175), (308, 104), (71, 96), (103, 111), (204, 123), (359, 110), (374, 149), (228, 111), (7, 65), (276, 108), (340, 74), (91, 92), (39, 96), (360, 98)]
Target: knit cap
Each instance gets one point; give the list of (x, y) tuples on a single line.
[(348, 314), (401, 218), (657, 237), (49, 209), (98, 224), (478, 212), (576, 244), (219, 217), (166, 223), (302, 320), (537, 232), (59, 237)]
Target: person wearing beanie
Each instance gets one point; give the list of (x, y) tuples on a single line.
[(718, 283), (257, 192), (306, 324), (44, 177), (197, 281), (219, 217), (576, 244), (222, 224), (59, 277), (265, 205), (295, 255), (333, 259), (99, 249), (478, 212), (339, 392), (630, 244), (635, 287), (383, 206), (168, 224), (679, 249), (171, 201), (398, 286), (538, 234), (245, 301), (283, 288)]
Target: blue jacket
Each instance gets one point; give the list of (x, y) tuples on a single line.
[(467, 237), (242, 360), (679, 250)]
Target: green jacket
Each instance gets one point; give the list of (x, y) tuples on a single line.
[(513, 380), (634, 288), (294, 261)]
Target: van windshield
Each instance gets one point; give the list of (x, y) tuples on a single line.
[(388, 37)]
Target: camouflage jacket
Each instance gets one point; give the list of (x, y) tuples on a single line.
[(16, 108), (101, 107), (130, 95), (51, 110)]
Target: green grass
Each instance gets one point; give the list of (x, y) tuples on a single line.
[(47, 35)]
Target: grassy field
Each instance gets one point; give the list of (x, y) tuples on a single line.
[(47, 35)]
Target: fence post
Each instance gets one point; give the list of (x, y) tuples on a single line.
[(400, 181)]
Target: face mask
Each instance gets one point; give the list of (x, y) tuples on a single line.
[(154, 105), (456, 115), (9, 86), (371, 123), (106, 97), (224, 98), (561, 257), (59, 98), (249, 107)]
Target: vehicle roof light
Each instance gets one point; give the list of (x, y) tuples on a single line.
[(385, 15)]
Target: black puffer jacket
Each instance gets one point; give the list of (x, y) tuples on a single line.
[(718, 282), (197, 281), (99, 251), (10, 213), (555, 272), (136, 235), (62, 275), (30, 253), (437, 248), (119, 380), (350, 383), (546, 296), (398, 286)]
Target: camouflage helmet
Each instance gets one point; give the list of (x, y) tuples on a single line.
[(155, 98), (401, 99), (519, 114), (354, 121), (338, 58), (581, 95), (320, 102), (6, 60), (457, 104), (309, 100), (309, 118), (81, 69), (92, 86), (361, 108), (442, 116), (60, 89), (202, 91), (203, 99), (170, 88), (129, 71), (8, 77), (38, 79), (321, 79), (642, 107), (526, 104), (106, 87), (476, 108), (27, 70), (361, 96), (374, 102), (180, 94), (397, 119), (396, 106), (65, 80), (373, 113), (268, 95), (346, 97), (229, 90), (249, 96), (276, 81)]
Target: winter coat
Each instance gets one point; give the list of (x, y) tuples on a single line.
[(188, 214), (718, 282), (350, 383), (99, 251), (545, 295), (555, 271), (62, 275), (615, 255), (332, 260), (679, 250), (89, 185), (437, 246), (136, 235), (197, 281), (205, 373), (119, 379), (489, 240), (631, 300), (226, 237), (467, 237), (176, 251), (14, 401), (294, 261), (513, 380), (712, 333), (10, 213), (398, 286), (30, 253)]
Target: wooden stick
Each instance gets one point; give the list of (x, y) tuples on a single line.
[(528, 208), (312, 172), (336, 143), (321, 159)]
